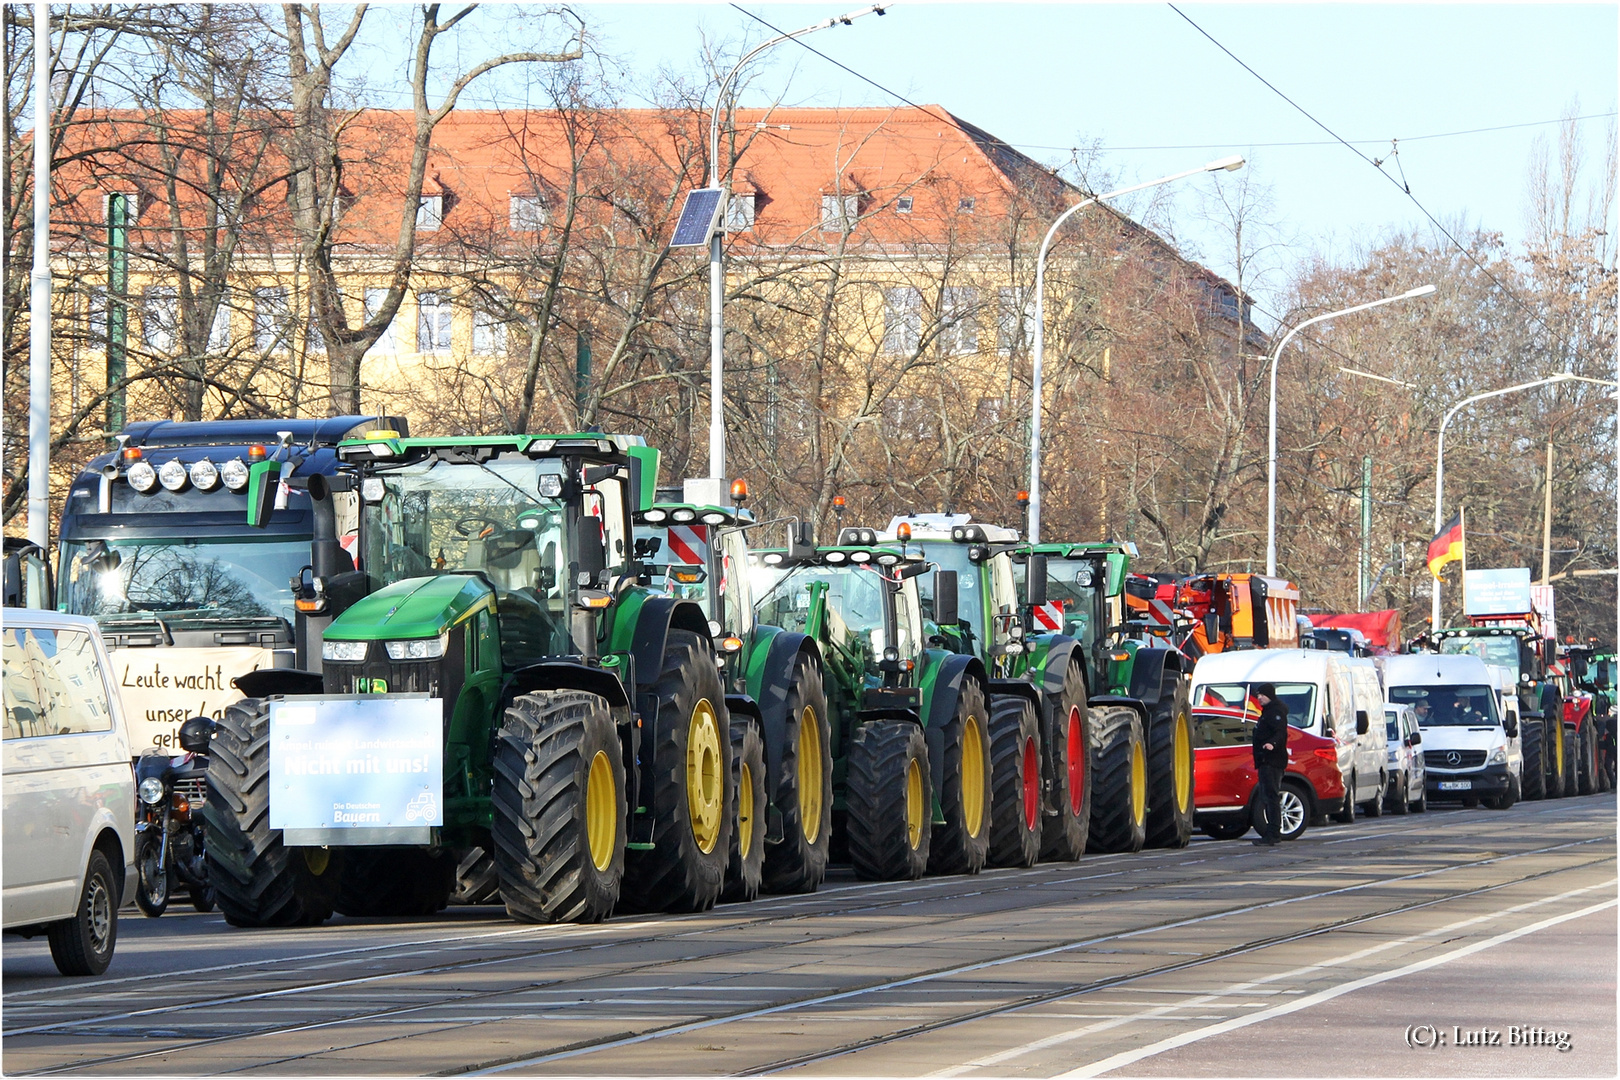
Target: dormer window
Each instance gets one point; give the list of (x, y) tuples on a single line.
[(740, 211), (902, 205), (430, 212), (839, 212), (965, 205), (527, 213)]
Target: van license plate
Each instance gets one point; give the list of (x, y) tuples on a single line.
[(1456, 785)]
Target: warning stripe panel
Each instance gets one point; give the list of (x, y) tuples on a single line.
[(689, 544)]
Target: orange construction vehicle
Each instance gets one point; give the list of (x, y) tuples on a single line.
[(1227, 611)]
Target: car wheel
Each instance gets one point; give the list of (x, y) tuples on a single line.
[(1296, 812), (83, 945)]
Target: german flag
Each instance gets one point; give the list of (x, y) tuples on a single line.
[(1447, 546)]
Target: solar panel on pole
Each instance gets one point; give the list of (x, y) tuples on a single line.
[(699, 217)]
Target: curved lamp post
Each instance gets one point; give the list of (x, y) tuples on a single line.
[(1440, 455), (1271, 456), (717, 274), (1229, 164)]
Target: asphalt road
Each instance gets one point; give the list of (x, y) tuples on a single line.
[(1372, 949)]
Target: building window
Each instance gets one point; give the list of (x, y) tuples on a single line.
[(160, 318), (219, 331), (430, 212), (489, 333), (838, 212), (740, 212), (965, 206), (432, 322), (958, 324), (1015, 318), (902, 320), (527, 213), (269, 318), (902, 205), (384, 345)]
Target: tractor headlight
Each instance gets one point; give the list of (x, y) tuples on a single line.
[(172, 475), (551, 485), (142, 477), (773, 558), (235, 474), (860, 556), (151, 791), (714, 519), (684, 515), (1498, 756), (652, 517), (204, 476), (836, 557), (344, 652), (416, 648)]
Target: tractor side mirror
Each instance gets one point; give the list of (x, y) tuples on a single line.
[(1212, 626), (1601, 681), (1362, 724), (263, 479), (945, 598), (591, 548), (801, 540), (1037, 580), (1577, 665)]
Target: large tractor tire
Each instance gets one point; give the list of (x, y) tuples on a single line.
[(257, 880), (1170, 770), (961, 843), (1533, 747), (890, 795), (1572, 759), (803, 798), (1586, 759), (394, 882), (1015, 773), (476, 879), (1556, 756), (558, 808), (691, 802), (1067, 823), (1119, 797), (745, 865)]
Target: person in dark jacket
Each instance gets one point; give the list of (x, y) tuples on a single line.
[(1270, 760)]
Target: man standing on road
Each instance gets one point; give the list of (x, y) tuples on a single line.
[(1270, 759)]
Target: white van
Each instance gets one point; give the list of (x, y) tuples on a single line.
[(1470, 750), (1321, 684), (69, 813)]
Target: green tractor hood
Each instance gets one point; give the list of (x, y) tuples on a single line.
[(414, 608)]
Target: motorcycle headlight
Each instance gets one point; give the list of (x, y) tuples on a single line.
[(142, 477), (351, 652), (235, 474), (416, 649), (1498, 756), (151, 791)]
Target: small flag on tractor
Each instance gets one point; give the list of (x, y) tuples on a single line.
[(1447, 546), (1048, 617)]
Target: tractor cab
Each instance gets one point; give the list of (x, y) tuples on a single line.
[(700, 553), (988, 622)]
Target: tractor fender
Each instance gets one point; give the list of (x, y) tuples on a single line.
[(1015, 688), (1147, 673), (284, 682), (768, 678), (1055, 665), (744, 706), (654, 619), (940, 690), (1119, 701), (562, 675)]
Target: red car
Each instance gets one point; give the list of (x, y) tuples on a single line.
[(1224, 776)]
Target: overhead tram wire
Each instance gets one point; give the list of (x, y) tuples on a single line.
[(1511, 295)]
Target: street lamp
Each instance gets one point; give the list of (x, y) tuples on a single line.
[(1271, 466), (1228, 164), (717, 274), (1440, 454)]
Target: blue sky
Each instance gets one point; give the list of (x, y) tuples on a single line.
[(1160, 98)]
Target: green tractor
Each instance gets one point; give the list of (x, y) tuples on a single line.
[(908, 720), (577, 718), (1079, 589), (781, 759)]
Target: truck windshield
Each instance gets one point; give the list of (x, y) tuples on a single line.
[(1499, 649), (181, 579), (1449, 706), (435, 518)]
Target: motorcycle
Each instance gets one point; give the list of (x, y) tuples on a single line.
[(169, 824)]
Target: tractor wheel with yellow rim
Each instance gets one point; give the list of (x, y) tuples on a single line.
[(558, 808), (746, 865), (802, 792), (681, 866), (1119, 781), (1170, 767), (889, 793), (258, 881), (959, 751)]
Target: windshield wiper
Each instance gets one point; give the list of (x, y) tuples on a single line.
[(136, 618)]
